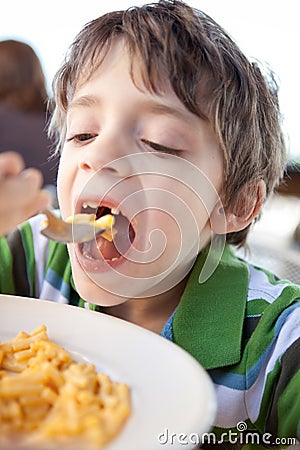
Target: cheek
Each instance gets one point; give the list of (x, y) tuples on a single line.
[(64, 182), (60, 186), (178, 211)]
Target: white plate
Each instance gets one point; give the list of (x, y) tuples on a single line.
[(173, 399)]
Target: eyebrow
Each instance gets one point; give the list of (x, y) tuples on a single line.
[(152, 107), (85, 101)]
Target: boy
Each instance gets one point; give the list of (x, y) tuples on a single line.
[(163, 122)]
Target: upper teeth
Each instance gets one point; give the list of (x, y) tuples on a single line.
[(95, 205), (90, 204)]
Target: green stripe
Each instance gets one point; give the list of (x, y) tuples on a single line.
[(290, 366), (27, 239), (58, 259), (267, 397), (19, 270), (6, 269), (67, 272), (81, 303), (289, 408), (92, 307), (256, 307), (264, 332)]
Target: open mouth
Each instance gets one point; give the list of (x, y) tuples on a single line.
[(108, 249)]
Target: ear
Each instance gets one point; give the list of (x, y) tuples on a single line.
[(242, 211)]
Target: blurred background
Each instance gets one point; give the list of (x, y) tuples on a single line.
[(266, 30)]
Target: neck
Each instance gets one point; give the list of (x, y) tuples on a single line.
[(150, 313)]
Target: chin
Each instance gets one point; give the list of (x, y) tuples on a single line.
[(93, 293)]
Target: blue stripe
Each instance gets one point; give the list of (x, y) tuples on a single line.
[(283, 316), (243, 382), (167, 331), (58, 283), (229, 379)]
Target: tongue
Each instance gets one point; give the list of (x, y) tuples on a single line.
[(106, 248), (109, 250)]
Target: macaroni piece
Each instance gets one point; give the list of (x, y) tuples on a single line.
[(52, 400), (106, 221)]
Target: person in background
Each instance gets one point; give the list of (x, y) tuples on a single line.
[(23, 106)]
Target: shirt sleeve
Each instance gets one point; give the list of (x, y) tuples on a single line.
[(283, 419), (17, 272), (277, 371)]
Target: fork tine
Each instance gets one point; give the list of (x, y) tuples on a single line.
[(54, 221)]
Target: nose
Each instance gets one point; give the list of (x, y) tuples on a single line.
[(110, 155)]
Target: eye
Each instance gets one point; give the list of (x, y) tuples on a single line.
[(162, 148), (81, 137)]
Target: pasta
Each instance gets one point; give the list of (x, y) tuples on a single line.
[(52, 400), (106, 221)]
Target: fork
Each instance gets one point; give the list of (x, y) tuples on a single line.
[(61, 231)]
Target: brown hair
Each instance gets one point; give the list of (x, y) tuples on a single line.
[(22, 81), (189, 49)]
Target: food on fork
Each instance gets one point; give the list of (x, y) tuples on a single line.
[(52, 401), (102, 232), (110, 245), (79, 228), (106, 221)]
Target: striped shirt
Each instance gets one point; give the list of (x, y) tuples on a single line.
[(242, 325)]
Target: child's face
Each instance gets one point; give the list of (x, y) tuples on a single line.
[(116, 155)]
